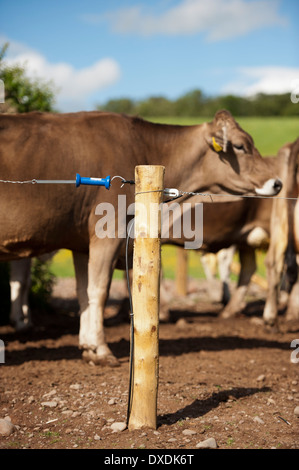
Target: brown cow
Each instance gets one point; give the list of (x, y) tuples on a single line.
[(284, 243), (251, 223), (246, 224), (217, 156)]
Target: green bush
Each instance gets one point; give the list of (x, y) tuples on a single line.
[(42, 281)]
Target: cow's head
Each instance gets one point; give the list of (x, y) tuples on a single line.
[(234, 162)]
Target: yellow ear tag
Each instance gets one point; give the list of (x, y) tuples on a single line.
[(216, 146)]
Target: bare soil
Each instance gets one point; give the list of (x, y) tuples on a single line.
[(232, 380)]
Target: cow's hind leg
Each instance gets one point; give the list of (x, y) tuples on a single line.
[(248, 267), (274, 264), (292, 312), (225, 259), (20, 281), (101, 264), (209, 264)]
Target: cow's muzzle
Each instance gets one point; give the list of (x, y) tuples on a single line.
[(270, 188)]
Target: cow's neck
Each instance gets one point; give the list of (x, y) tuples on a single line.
[(178, 148)]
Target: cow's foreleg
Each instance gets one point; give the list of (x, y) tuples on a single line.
[(292, 312), (274, 264), (209, 264), (224, 259), (293, 304), (248, 267), (100, 269), (275, 258), (20, 281), (81, 271)]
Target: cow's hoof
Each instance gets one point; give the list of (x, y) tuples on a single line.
[(84, 346), (268, 321), (164, 315), (107, 360), (272, 329), (226, 314), (270, 324), (21, 327)]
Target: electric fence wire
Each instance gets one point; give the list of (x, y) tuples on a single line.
[(131, 369), (178, 192), (190, 193), (18, 182)]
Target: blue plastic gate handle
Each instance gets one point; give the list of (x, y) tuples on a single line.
[(93, 181)]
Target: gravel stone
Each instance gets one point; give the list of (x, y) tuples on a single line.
[(50, 394), (296, 411), (6, 427), (207, 444), (259, 420), (261, 378), (188, 432), (49, 404), (76, 386), (118, 426)]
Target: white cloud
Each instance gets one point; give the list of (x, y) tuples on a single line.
[(216, 19), (74, 86), (269, 79)]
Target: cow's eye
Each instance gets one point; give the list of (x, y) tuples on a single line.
[(239, 147)]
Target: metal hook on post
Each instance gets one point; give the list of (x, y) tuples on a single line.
[(124, 181)]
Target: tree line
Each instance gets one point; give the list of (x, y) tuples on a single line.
[(196, 103)]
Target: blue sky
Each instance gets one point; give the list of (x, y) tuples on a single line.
[(95, 50)]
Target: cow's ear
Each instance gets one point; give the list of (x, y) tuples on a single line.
[(217, 140), (218, 131), (217, 146)]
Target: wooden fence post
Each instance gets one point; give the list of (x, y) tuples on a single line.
[(149, 180)]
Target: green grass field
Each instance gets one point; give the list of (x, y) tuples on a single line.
[(62, 264), (269, 135)]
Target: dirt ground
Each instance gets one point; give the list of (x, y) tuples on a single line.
[(231, 380)]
